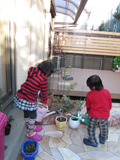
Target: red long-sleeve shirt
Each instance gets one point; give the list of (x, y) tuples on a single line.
[(99, 103), (36, 80)]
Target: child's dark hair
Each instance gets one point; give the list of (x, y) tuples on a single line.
[(46, 67), (94, 81)]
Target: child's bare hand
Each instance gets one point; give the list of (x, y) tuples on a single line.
[(37, 100)]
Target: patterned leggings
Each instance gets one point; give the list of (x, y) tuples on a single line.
[(103, 126), (29, 117)]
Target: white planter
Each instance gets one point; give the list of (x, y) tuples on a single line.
[(74, 123)]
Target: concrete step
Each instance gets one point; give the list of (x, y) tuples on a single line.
[(14, 140)]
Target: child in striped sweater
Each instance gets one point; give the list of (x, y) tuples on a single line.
[(27, 95)]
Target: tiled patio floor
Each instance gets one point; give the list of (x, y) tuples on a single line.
[(70, 146)]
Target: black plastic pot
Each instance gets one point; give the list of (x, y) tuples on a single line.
[(7, 129)]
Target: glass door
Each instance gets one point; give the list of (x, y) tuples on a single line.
[(7, 64)]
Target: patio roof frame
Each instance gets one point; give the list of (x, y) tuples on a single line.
[(79, 8)]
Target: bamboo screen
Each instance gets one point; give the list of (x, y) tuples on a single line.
[(87, 42)]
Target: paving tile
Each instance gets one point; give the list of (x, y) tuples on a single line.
[(98, 155), (45, 144), (77, 149), (53, 142), (117, 129), (54, 134), (50, 128), (112, 136), (114, 148), (37, 157), (111, 129), (44, 155), (82, 131), (67, 129), (56, 154), (68, 154), (40, 149), (75, 137), (67, 145), (66, 139), (119, 139)]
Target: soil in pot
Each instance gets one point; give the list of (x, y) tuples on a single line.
[(74, 122), (61, 119), (74, 119), (30, 148), (61, 122)]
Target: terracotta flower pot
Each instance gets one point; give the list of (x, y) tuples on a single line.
[(50, 99)]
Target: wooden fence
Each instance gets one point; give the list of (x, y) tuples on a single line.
[(87, 42)]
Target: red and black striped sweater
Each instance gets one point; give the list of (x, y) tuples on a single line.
[(36, 80)]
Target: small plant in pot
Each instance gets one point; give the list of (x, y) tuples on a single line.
[(61, 121), (74, 122), (8, 126), (29, 149), (9, 118), (68, 103)]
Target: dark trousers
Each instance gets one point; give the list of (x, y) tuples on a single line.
[(103, 126), (30, 114)]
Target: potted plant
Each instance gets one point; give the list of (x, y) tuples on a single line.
[(68, 104), (9, 118), (50, 99), (29, 149), (8, 126), (61, 121), (74, 122)]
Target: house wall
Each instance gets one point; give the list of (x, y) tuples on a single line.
[(32, 33), (25, 26)]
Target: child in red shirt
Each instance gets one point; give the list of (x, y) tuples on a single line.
[(98, 103)]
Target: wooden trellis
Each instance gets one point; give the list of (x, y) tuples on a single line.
[(87, 42)]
